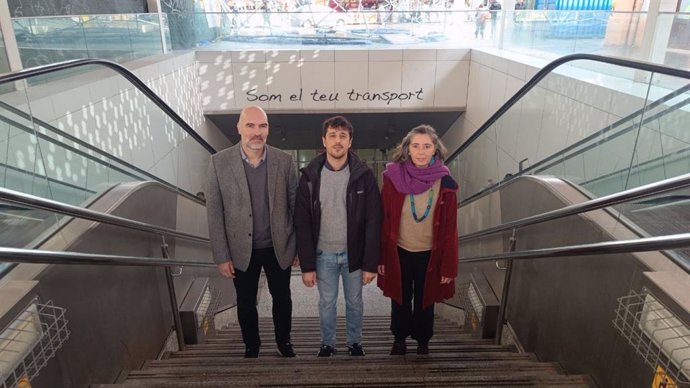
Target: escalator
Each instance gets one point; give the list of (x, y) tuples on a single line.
[(555, 144), (141, 163), (69, 151)]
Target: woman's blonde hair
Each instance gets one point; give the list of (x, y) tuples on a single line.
[(402, 151)]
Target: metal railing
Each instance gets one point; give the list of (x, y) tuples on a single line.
[(35, 202), (639, 245), (15, 255)]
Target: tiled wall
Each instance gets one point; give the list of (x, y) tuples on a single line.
[(329, 80)]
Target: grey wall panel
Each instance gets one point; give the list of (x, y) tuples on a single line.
[(563, 309), (118, 316)]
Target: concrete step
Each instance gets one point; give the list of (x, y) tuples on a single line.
[(273, 359), (271, 351), (347, 367), (516, 379), (456, 360)]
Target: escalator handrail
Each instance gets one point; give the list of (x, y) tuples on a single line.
[(548, 69), (35, 256), (647, 244), (121, 70), (35, 202), (648, 190)]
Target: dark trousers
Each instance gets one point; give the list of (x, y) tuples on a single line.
[(406, 320), (247, 287)]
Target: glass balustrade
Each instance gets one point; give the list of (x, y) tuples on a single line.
[(603, 133), (120, 37), (72, 138), (539, 33), (606, 137)]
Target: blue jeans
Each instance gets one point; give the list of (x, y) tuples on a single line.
[(329, 267)]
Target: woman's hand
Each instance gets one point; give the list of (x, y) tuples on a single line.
[(445, 280), (382, 270)]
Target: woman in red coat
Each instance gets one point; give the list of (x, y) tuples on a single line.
[(419, 236)]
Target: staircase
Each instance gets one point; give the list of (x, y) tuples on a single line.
[(456, 360)]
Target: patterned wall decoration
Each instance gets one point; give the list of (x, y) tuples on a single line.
[(111, 115)]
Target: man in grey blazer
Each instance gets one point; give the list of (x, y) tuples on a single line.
[(250, 202)]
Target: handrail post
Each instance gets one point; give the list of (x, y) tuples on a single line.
[(173, 297), (504, 295)]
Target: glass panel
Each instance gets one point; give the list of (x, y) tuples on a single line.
[(74, 135), (602, 132), (541, 33), (118, 37), (674, 35)]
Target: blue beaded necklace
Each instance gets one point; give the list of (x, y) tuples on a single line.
[(428, 207)]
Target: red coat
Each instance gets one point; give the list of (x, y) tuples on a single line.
[(444, 251)]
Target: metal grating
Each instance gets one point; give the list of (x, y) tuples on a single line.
[(656, 334), (208, 307), (472, 305), (30, 341)]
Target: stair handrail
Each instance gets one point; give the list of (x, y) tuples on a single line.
[(645, 191), (16, 255), (645, 66), (639, 245), (644, 244), (121, 70), (36, 256), (35, 202)]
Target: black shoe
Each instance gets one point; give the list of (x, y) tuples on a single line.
[(423, 348), (399, 347), (326, 351), (355, 350), (251, 352), (286, 350)]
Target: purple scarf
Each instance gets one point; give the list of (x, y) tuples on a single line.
[(409, 179)]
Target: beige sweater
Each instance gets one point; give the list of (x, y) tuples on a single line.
[(417, 236)]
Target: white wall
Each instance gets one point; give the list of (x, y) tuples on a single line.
[(334, 80)]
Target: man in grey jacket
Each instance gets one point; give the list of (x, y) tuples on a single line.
[(250, 203)]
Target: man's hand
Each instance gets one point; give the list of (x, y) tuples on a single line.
[(295, 261), (309, 278), (368, 277), (227, 269), (445, 280), (382, 270)]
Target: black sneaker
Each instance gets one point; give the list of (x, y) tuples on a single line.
[(251, 352), (326, 351), (286, 350), (355, 350)]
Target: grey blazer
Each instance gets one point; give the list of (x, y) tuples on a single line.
[(229, 207)]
